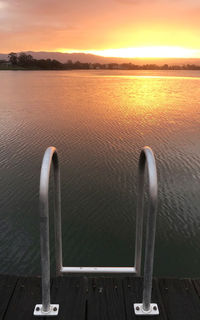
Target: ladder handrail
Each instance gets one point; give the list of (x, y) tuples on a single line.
[(50, 157), (146, 158)]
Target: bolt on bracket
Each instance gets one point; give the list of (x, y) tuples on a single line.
[(53, 311), (139, 311)]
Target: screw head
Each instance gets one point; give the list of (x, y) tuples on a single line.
[(37, 309), (137, 308), (155, 308), (54, 309)]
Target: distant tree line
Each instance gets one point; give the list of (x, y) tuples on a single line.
[(26, 61)]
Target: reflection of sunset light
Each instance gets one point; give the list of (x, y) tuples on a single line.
[(143, 52), (145, 97)]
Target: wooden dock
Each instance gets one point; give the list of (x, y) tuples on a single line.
[(99, 298)]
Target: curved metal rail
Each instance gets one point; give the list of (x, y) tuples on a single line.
[(146, 307), (146, 157), (50, 156)]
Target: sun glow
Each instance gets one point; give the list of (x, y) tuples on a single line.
[(143, 52)]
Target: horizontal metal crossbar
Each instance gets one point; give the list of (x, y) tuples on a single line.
[(98, 270)]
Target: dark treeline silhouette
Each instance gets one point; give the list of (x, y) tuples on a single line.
[(26, 61)]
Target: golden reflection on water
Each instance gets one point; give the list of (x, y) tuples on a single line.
[(148, 105), (144, 96), (154, 97)]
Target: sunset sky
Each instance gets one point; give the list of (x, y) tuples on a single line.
[(122, 28)]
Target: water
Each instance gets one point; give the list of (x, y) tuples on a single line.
[(99, 121)]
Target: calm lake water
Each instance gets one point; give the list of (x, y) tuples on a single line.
[(99, 121)]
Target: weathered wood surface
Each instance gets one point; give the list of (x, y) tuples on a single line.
[(99, 298)]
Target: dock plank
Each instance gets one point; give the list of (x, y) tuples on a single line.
[(70, 294), (180, 299), (105, 299), (196, 283), (7, 287), (26, 295), (99, 298)]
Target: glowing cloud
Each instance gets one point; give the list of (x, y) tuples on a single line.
[(117, 28), (143, 52)]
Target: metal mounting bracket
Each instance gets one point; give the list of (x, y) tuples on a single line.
[(139, 311), (53, 311)]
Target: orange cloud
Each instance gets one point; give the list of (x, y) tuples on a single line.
[(98, 25)]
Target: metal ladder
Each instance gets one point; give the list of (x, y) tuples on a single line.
[(144, 308)]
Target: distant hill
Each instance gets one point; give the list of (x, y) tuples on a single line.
[(90, 58)]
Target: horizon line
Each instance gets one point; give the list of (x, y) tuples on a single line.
[(141, 52), (153, 52)]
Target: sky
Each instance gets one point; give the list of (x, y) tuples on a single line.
[(124, 28)]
